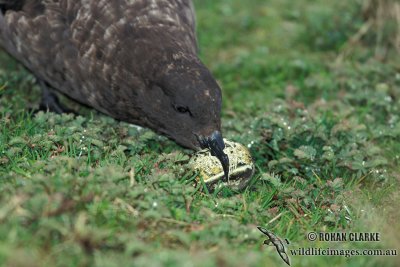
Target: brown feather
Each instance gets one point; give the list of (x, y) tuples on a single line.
[(116, 56)]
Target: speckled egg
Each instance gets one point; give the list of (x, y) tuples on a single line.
[(241, 167)]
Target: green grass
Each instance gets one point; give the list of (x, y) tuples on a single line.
[(324, 134)]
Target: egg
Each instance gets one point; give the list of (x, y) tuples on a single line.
[(209, 168)]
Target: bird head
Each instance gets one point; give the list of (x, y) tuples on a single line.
[(184, 103)]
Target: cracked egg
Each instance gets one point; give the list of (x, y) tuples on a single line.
[(241, 167)]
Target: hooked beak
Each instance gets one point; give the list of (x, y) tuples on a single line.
[(216, 145)]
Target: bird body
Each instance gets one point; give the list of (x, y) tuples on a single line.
[(135, 60), (86, 49)]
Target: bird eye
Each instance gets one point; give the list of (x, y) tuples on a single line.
[(181, 109)]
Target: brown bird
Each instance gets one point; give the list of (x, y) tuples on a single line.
[(135, 60)]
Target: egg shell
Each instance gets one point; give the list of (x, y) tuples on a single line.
[(241, 167)]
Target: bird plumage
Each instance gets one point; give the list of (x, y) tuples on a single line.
[(135, 60)]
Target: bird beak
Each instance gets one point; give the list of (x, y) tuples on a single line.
[(216, 144)]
